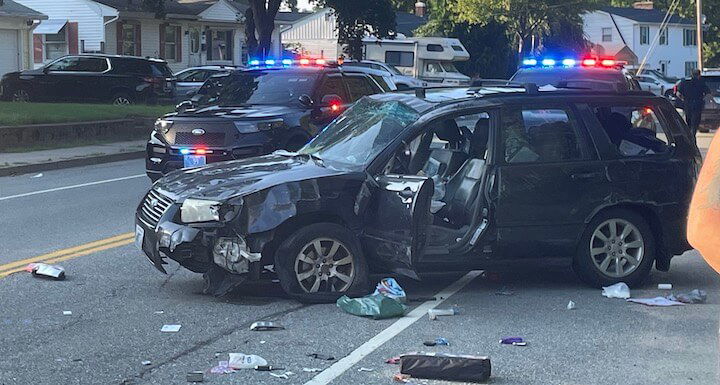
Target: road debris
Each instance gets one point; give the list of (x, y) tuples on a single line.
[(440, 341), (146, 363), (267, 368), (618, 290), (312, 370), (223, 367), (664, 286), (245, 361), (571, 305), (450, 367), (515, 341), (40, 175), (505, 292), (170, 328), (393, 360), (67, 312), (390, 288), (695, 296), (434, 313), (196, 376), (159, 312), (657, 301), (399, 377), (376, 306), (45, 270), (266, 325), (364, 369), (285, 375), (321, 356)]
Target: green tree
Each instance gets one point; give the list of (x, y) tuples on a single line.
[(357, 19), (522, 18), (292, 5), (403, 5)]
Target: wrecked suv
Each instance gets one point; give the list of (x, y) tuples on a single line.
[(600, 181)]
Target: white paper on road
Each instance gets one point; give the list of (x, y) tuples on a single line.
[(657, 301), (67, 312), (245, 361), (618, 290), (170, 328)]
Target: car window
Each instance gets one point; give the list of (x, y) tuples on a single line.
[(70, 64), (540, 135), (194, 76), (360, 86), (91, 64), (131, 66), (333, 85), (382, 83), (433, 68), (256, 87), (634, 130)]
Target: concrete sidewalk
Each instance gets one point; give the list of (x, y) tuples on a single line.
[(34, 161)]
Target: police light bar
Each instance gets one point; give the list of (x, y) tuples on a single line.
[(270, 62), (606, 62)]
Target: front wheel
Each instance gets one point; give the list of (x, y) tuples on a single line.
[(121, 99), (618, 246), (320, 263), (21, 95)]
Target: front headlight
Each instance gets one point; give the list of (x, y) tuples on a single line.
[(245, 127), (163, 126), (199, 210)]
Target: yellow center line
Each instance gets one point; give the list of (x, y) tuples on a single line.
[(69, 253)]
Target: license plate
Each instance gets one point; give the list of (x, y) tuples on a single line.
[(194, 160), (139, 235)]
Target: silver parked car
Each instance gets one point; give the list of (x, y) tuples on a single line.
[(400, 80), (191, 79)]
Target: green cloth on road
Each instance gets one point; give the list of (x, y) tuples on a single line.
[(376, 306)]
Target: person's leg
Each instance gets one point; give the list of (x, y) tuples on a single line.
[(693, 119)]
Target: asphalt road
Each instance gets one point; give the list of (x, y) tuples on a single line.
[(119, 303)]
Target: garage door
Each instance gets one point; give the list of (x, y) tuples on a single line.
[(8, 51)]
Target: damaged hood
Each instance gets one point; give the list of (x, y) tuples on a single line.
[(250, 112), (225, 180)]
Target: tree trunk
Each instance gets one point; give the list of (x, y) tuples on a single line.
[(250, 40), (264, 12)]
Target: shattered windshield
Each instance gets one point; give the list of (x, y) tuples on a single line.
[(361, 133)]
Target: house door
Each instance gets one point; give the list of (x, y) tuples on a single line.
[(194, 44), (9, 51)]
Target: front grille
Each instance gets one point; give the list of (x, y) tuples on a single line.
[(208, 139), (153, 207)]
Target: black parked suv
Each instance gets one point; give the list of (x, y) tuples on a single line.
[(600, 181), (112, 79), (253, 112)]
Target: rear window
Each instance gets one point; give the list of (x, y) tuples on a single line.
[(636, 131), (256, 87), (141, 67)]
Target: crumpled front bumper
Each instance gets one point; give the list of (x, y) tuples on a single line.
[(198, 249)]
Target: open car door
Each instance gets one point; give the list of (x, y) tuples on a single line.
[(396, 221)]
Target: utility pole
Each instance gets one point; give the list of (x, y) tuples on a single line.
[(698, 26)]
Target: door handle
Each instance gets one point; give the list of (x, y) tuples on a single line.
[(585, 175)]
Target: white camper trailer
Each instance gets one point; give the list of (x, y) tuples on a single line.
[(428, 58)]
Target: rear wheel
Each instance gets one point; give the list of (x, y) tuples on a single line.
[(618, 246), (121, 99), (320, 263)]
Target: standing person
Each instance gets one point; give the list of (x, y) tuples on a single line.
[(692, 92)]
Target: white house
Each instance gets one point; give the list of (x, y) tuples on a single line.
[(16, 24), (629, 34), (315, 34), (193, 32)]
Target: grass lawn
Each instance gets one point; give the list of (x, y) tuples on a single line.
[(15, 114)]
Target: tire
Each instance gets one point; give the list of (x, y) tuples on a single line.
[(293, 257), (21, 95), (121, 99), (596, 260)]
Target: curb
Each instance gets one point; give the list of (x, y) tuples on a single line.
[(68, 163)]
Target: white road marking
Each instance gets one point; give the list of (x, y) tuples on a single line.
[(70, 187), (347, 362)]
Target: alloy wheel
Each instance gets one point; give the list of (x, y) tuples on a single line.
[(324, 265), (21, 96), (121, 101), (617, 247)]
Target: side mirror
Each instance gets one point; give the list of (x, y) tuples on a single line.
[(45, 70), (305, 100), (183, 106)]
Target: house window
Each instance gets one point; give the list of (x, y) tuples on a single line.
[(399, 58), (56, 45), (663, 38), (689, 37), (194, 40), (171, 42), (128, 39), (220, 45), (664, 64), (607, 34), (689, 67), (644, 35)]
